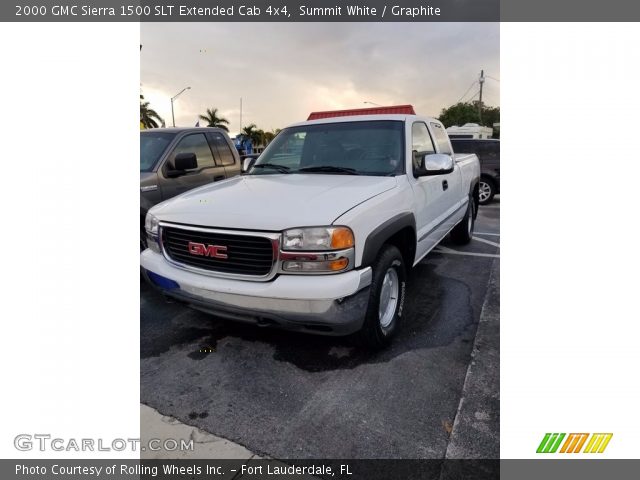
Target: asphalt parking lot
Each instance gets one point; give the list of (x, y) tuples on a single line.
[(289, 395)]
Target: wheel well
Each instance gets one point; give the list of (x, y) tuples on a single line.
[(405, 241), (475, 196)]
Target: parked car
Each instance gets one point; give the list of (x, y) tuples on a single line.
[(488, 151), (319, 235), (174, 160)]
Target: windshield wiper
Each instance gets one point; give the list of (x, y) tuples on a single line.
[(280, 168), (329, 169)]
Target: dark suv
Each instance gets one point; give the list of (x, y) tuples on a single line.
[(488, 151), (174, 160)]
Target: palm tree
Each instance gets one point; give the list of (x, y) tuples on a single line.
[(269, 136), (254, 134), (213, 120), (148, 116), (261, 137)]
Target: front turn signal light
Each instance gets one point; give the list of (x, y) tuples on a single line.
[(342, 237)]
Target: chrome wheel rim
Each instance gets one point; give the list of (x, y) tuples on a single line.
[(484, 191), (388, 297)]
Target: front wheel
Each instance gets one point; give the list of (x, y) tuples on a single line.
[(386, 299)]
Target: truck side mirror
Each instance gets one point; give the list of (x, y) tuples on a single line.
[(185, 161), (436, 164), (247, 163), (181, 163)]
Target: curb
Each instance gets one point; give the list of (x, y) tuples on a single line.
[(476, 428)]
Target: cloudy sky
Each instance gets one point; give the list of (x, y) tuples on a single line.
[(283, 71)]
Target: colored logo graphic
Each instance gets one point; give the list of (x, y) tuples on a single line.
[(574, 442)]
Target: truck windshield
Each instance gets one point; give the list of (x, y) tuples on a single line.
[(345, 148), (152, 146)]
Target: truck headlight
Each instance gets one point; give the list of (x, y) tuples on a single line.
[(318, 238), (317, 250), (151, 226)]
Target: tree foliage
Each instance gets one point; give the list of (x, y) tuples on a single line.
[(462, 113), (149, 117), (212, 119), (253, 133), (269, 136), (258, 136)]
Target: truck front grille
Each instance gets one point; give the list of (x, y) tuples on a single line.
[(246, 254)]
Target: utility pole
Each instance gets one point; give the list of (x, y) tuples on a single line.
[(481, 81), (240, 130)]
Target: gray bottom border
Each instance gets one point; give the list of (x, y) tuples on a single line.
[(583, 469)]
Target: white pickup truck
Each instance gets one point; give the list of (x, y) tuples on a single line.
[(319, 234)]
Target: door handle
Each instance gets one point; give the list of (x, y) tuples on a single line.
[(219, 177), (445, 184)]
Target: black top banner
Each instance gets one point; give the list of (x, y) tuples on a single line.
[(319, 11), (254, 11)]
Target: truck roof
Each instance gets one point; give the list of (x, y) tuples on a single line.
[(183, 129)]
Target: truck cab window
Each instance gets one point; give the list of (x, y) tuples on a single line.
[(195, 143), (441, 138), (421, 144), (224, 152)]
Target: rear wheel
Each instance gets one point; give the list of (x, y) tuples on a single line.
[(486, 190), (463, 232), (386, 299)]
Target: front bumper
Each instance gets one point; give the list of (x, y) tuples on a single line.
[(323, 304)]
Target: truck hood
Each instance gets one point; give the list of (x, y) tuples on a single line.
[(272, 202)]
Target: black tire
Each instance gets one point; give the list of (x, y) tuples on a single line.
[(374, 334), (487, 190), (463, 232)]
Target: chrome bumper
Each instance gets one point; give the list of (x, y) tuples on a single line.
[(292, 302)]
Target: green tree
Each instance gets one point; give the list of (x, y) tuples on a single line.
[(269, 136), (253, 133), (261, 136), (213, 120), (490, 115), (462, 113), (149, 117)]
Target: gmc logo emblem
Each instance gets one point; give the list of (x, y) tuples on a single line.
[(215, 251)]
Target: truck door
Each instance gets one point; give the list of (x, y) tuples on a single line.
[(207, 170), (428, 191), (452, 194)]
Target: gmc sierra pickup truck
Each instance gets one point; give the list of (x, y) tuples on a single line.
[(319, 234)]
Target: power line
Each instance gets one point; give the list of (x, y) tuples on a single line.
[(473, 96), (465, 93), (492, 78)]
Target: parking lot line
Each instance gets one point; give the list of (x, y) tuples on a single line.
[(488, 242), (487, 233), (451, 251)]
